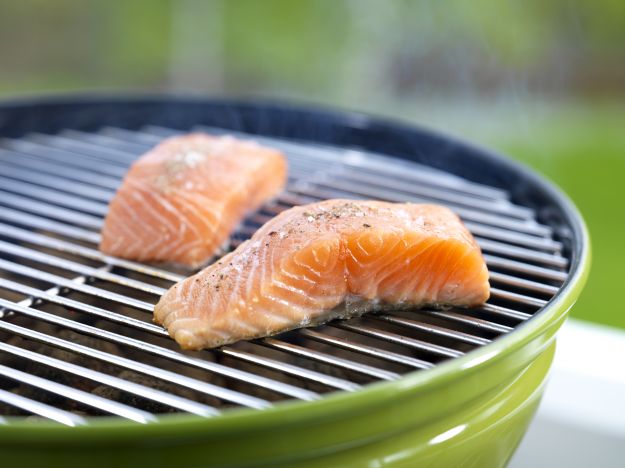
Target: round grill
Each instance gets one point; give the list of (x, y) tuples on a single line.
[(76, 337)]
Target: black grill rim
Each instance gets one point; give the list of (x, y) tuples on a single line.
[(304, 122)]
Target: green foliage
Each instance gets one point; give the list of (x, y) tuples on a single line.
[(281, 42), (303, 47)]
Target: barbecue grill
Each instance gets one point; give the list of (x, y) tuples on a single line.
[(86, 377)]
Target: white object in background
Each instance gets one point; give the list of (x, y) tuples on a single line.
[(581, 420)]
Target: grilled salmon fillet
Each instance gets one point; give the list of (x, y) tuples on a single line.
[(181, 200), (313, 263)]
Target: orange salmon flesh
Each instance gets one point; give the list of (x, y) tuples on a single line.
[(308, 264), (180, 201)]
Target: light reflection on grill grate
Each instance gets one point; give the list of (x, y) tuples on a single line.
[(77, 339)]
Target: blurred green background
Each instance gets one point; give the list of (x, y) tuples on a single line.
[(541, 81)]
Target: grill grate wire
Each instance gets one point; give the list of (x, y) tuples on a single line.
[(77, 337)]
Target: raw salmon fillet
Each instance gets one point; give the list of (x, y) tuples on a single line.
[(337, 258), (181, 200)]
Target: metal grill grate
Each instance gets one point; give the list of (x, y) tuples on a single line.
[(76, 337)]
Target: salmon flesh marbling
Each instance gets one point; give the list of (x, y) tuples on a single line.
[(336, 258)]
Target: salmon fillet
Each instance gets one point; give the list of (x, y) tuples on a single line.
[(337, 258), (181, 200)]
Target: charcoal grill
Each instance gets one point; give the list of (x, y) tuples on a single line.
[(85, 376)]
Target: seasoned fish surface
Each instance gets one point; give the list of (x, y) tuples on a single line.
[(180, 201), (303, 266)]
